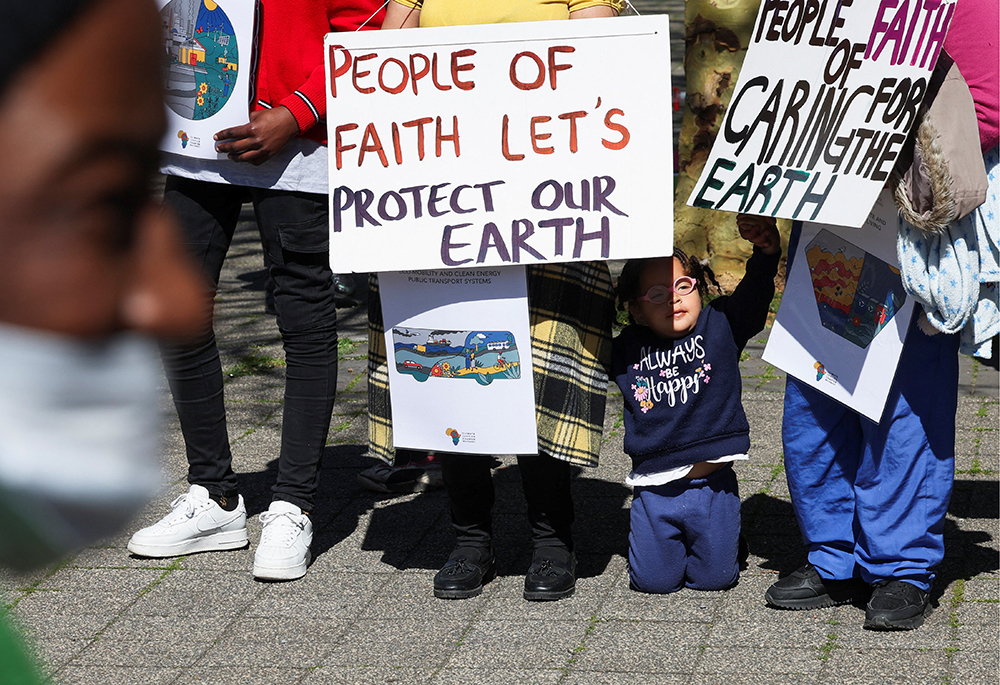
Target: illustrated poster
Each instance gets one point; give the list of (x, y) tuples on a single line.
[(844, 314), (459, 352), (822, 107), (500, 144), (206, 73)]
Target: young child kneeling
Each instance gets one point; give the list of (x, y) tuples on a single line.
[(678, 368)]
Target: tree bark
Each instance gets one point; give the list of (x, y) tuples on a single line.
[(717, 33)]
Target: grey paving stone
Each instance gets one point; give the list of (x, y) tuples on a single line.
[(667, 647), (627, 678), (53, 654), (116, 675), (174, 654), (374, 675), (242, 675), (686, 606), (461, 676), (974, 667), (518, 644), (795, 630), (381, 643), (169, 629), (740, 660), (979, 614), (858, 666)]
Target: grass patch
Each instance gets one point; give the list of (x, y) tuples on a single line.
[(826, 649), (346, 347), (252, 363), (975, 470)]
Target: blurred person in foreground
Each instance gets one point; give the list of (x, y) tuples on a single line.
[(90, 273)]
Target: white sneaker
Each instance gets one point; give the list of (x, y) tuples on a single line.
[(196, 523), (283, 552)]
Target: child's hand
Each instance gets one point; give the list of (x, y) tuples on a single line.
[(761, 231)]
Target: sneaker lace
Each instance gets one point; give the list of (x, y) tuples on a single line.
[(281, 528), (182, 508)]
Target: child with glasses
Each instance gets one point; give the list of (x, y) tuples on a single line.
[(677, 365)]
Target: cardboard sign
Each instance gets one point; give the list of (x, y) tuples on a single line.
[(475, 146), (208, 48), (825, 98), (844, 315), (459, 348)]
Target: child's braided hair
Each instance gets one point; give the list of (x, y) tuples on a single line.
[(627, 287)]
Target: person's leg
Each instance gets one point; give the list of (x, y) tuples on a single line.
[(546, 482), (208, 214), (656, 551), (822, 442), (295, 234), (904, 483), (468, 480), (211, 515), (712, 530)]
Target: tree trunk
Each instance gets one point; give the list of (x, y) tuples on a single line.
[(717, 33)]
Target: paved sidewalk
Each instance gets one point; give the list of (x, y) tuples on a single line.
[(365, 613)]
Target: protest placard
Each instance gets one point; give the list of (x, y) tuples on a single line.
[(207, 48), (523, 143), (844, 314), (459, 351), (824, 101)]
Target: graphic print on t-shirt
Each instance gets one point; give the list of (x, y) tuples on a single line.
[(671, 377)]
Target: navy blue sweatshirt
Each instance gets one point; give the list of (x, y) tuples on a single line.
[(682, 397)]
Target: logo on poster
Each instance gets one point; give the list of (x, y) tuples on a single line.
[(454, 435), (822, 373), (184, 138)]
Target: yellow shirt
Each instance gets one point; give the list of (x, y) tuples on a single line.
[(459, 12)]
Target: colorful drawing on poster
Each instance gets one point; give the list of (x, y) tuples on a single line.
[(202, 57), (483, 355), (857, 294)]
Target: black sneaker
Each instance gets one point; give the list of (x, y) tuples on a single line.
[(895, 605), (468, 568), (806, 589), (552, 575)]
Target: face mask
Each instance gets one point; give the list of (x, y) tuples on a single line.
[(78, 440)]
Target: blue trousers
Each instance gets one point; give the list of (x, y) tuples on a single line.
[(295, 235), (685, 534), (871, 498)]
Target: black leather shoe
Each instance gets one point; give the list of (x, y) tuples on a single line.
[(895, 605), (806, 589), (468, 568), (552, 575)]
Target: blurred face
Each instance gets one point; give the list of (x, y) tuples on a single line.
[(677, 316), (84, 251)]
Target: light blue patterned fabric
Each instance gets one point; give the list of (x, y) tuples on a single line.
[(954, 275)]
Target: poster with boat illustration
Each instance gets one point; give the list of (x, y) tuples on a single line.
[(460, 360), (207, 47), (844, 313), (473, 355)]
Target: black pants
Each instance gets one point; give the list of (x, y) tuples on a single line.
[(468, 480), (295, 235)]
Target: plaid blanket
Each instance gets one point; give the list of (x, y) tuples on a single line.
[(571, 308)]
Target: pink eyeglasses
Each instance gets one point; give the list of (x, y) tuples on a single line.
[(659, 294)]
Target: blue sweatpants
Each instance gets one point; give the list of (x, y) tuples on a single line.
[(686, 534), (871, 498)]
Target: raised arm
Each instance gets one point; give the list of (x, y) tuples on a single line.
[(399, 16)]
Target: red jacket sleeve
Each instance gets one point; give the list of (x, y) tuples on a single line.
[(308, 102)]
